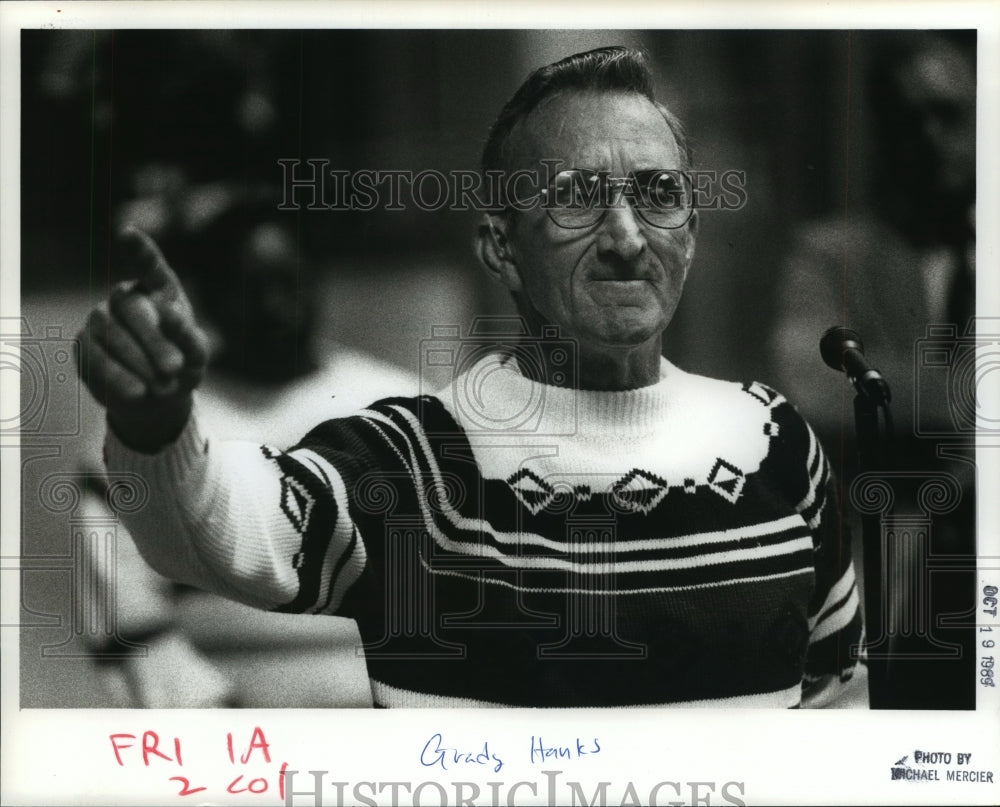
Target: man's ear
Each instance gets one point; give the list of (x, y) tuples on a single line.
[(692, 237), (494, 252)]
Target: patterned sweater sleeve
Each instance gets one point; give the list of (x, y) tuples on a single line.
[(268, 528), (835, 675)]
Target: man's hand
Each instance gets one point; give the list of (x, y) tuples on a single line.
[(141, 352)]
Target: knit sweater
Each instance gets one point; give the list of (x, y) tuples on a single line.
[(506, 542)]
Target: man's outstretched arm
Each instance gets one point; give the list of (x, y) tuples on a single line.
[(215, 517)]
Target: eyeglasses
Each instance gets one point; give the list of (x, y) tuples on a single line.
[(578, 197)]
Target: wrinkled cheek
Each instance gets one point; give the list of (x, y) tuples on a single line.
[(555, 304)]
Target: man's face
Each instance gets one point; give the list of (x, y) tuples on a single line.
[(615, 284), (270, 315)]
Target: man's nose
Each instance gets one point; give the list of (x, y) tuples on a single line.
[(621, 232)]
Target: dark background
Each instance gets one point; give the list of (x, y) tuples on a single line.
[(114, 117)]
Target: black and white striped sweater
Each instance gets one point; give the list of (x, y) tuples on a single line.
[(511, 543)]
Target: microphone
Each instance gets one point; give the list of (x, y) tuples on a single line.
[(842, 350)]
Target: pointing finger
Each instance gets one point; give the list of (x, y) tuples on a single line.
[(143, 261)]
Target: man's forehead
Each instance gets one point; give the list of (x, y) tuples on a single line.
[(594, 129)]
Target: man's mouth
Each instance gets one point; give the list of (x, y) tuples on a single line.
[(624, 281), (621, 290)]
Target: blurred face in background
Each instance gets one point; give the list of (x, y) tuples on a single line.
[(616, 284), (928, 123), (268, 315)]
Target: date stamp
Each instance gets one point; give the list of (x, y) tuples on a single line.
[(986, 641)]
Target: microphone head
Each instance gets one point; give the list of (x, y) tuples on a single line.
[(835, 341)]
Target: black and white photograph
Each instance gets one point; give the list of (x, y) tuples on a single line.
[(486, 409)]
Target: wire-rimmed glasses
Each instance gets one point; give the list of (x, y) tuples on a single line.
[(577, 198)]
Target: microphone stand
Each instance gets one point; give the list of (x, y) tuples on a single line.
[(874, 438)]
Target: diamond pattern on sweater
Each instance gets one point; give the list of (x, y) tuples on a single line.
[(533, 491), (727, 480), (297, 503), (639, 491)]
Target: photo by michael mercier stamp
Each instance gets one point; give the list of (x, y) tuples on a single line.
[(942, 766), (565, 518)]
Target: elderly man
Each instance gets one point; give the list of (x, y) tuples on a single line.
[(573, 520)]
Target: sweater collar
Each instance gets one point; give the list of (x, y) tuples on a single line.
[(495, 396)]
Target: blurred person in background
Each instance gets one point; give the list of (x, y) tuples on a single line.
[(888, 272)]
